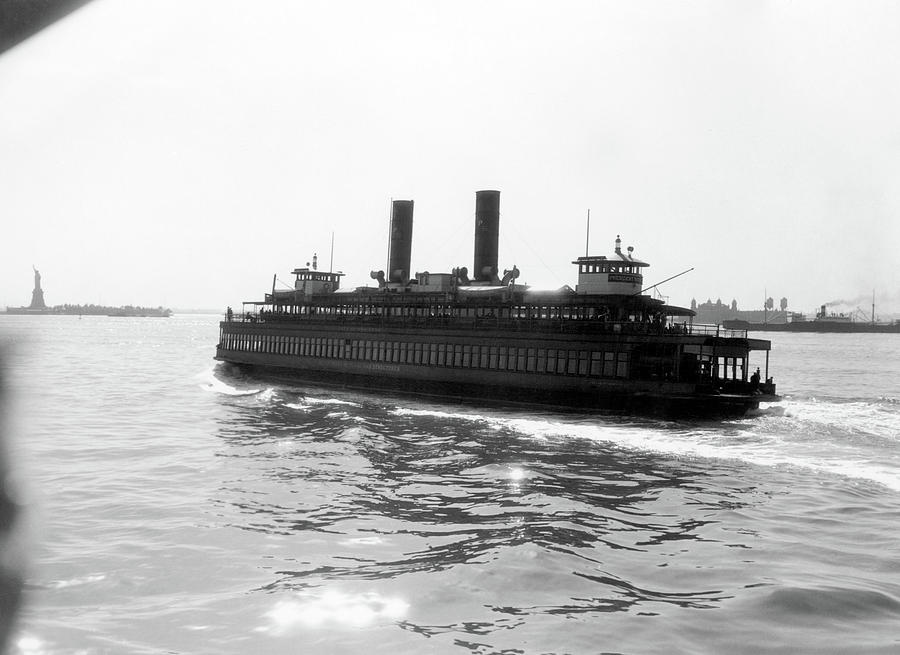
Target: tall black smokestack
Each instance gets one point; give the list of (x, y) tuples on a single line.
[(487, 235), (401, 241)]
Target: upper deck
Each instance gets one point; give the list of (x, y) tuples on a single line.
[(521, 314), (607, 298)]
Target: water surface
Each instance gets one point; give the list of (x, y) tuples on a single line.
[(177, 509)]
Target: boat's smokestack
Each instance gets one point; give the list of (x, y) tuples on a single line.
[(401, 241), (487, 235)]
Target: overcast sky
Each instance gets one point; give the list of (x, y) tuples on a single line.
[(180, 153)]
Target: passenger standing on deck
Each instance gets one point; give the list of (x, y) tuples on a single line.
[(754, 381)]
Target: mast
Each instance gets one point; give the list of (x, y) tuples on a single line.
[(387, 259), (331, 260), (587, 237)]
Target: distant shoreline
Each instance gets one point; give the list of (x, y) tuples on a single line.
[(93, 310), (111, 311)]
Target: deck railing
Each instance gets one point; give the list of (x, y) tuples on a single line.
[(718, 331), (567, 325)]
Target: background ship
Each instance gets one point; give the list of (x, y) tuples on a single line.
[(823, 322), (770, 319)]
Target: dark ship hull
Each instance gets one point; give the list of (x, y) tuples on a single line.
[(498, 366)]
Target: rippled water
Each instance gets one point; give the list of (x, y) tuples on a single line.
[(177, 509)]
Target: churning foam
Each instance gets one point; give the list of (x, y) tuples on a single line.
[(851, 439), (208, 381)]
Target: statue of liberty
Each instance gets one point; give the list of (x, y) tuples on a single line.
[(37, 296)]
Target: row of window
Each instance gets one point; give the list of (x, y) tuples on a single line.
[(499, 358), (438, 311), (720, 367), (607, 268)]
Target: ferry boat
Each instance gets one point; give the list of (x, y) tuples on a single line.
[(604, 345)]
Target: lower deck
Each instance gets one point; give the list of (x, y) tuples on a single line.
[(614, 370)]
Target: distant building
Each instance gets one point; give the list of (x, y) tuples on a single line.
[(714, 313)]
